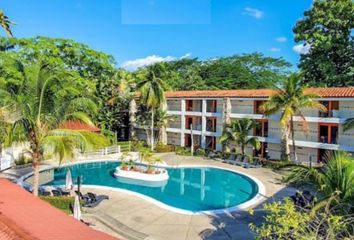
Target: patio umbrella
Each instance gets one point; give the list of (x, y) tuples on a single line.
[(69, 181), (77, 208)]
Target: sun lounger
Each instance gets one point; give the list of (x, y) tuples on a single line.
[(63, 192), (231, 159), (238, 160), (95, 199)]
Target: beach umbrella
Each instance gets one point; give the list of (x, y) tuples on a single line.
[(77, 208), (69, 181)]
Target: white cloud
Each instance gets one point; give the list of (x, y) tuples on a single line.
[(253, 12), (281, 39), (141, 62), (274, 49), (302, 49)]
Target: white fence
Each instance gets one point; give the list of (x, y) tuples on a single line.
[(101, 152)]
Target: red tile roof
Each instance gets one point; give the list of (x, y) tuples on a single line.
[(24, 216), (259, 93), (78, 125)]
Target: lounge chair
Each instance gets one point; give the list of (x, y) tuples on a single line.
[(43, 192), (84, 197), (231, 159), (304, 199), (63, 192), (95, 199), (238, 160)]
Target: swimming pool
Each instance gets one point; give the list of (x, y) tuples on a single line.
[(192, 189)]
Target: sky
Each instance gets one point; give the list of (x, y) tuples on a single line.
[(140, 32)]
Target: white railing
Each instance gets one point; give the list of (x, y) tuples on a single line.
[(102, 152)]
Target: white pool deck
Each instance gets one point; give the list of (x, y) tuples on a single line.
[(156, 222)]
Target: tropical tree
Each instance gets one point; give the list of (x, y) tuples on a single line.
[(336, 177), (5, 23), (327, 31), (238, 133), (290, 99), (152, 88), (37, 106), (348, 124)]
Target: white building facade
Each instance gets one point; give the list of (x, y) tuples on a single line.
[(207, 112)]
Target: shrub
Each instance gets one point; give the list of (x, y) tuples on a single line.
[(200, 152), (164, 148), (62, 203), (22, 160), (182, 151), (287, 221)]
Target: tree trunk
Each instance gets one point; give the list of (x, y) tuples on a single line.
[(152, 129), (293, 138), (243, 150), (35, 164), (285, 150)]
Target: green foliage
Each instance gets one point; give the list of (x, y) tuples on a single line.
[(337, 176), (327, 27), (286, 221), (290, 101), (200, 152), (5, 23), (164, 148), (239, 71), (238, 133), (184, 151), (63, 203), (23, 159)]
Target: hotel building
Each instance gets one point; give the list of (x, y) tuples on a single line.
[(208, 112)]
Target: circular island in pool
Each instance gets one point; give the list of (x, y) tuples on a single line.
[(187, 190)]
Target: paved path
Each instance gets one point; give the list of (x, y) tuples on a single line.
[(158, 223)]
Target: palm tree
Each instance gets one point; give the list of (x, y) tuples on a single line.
[(152, 89), (238, 133), (38, 106), (290, 99), (336, 177), (348, 124), (162, 119), (5, 23)]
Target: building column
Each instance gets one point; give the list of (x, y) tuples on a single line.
[(226, 118), (162, 130), (204, 109), (183, 120), (132, 120)]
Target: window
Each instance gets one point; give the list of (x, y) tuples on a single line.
[(332, 107)]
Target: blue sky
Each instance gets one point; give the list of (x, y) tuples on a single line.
[(138, 32)]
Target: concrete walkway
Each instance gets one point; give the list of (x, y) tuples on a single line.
[(157, 223)]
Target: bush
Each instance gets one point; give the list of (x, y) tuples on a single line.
[(22, 160), (182, 151), (200, 152), (164, 148), (62, 203)]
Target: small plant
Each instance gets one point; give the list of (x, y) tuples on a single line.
[(22, 160), (200, 152)]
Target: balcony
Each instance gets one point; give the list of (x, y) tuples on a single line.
[(195, 122), (328, 133), (211, 124), (332, 107), (194, 106)]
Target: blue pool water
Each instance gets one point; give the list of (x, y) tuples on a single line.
[(193, 188)]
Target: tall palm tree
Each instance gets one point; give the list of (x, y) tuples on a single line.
[(238, 133), (162, 119), (337, 176), (38, 106), (348, 124), (5, 23), (152, 89), (290, 99)]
